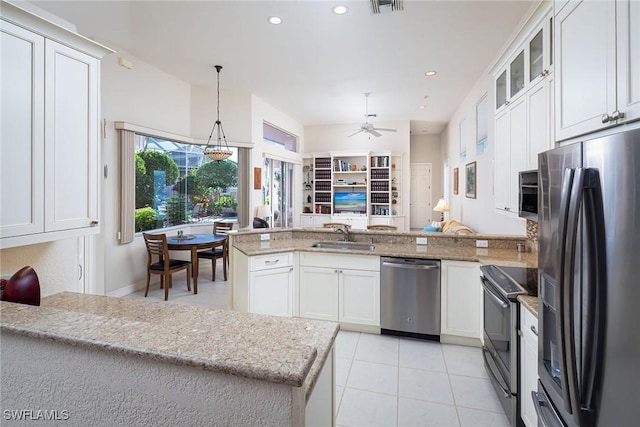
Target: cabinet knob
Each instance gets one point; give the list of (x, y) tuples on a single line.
[(606, 118), (617, 115), (94, 223), (544, 73)]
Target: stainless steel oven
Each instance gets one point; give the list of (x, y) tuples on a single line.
[(501, 287)]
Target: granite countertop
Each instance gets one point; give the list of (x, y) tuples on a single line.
[(484, 255), (269, 348), (530, 303)]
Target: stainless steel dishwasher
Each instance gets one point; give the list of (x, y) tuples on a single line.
[(410, 297)]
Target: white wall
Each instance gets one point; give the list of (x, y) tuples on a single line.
[(262, 112), (55, 263), (479, 213), (146, 96), (427, 149)]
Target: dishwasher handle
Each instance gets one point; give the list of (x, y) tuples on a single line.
[(411, 266)]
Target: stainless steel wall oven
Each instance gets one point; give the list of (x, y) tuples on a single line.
[(501, 286)]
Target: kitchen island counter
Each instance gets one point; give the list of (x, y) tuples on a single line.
[(288, 353)]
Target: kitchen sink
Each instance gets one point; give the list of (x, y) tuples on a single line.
[(344, 245)]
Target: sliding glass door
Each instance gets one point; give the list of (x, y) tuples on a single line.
[(277, 192)]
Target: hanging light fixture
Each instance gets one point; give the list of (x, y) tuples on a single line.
[(217, 151)]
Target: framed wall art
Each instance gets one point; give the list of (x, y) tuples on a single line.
[(470, 180), (257, 178), (456, 181)]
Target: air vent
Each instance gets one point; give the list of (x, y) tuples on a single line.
[(384, 6)]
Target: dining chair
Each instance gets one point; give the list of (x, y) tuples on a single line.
[(259, 223), (164, 266), (336, 224), (218, 252), (382, 227)]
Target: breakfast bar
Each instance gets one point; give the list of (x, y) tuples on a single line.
[(128, 362)]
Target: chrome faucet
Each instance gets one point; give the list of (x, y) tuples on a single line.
[(344, 231)]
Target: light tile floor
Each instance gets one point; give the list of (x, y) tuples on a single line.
[(390, 381), (210, 294), (382, 380)]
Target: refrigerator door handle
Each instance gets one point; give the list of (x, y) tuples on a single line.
[(572, 405), (593, 346), (565, 265)]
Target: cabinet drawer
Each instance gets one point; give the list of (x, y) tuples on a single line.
[(529, 322), (353, 262), (264, 262)]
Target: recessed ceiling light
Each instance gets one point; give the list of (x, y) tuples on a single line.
[(275, 20), (430, 73), (340, 10), (422, 107)]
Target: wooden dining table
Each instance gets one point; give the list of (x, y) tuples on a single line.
[(195, 242)]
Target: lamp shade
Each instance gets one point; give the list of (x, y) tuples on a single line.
[(442, 206), (263, 211)]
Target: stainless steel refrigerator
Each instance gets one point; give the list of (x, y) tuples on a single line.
[(589, 278)]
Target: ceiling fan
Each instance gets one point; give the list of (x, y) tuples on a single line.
[(367, 127)]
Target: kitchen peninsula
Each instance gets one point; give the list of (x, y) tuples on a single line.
[(311, 273), (114, 361)]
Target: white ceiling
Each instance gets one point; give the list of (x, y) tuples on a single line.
[(316, 65)]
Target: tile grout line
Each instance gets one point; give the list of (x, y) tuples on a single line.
[(453, 396)]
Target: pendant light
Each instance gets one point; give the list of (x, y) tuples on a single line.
[(217, 151)]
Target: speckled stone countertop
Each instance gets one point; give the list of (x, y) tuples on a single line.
[(460, 253), (530, 303), (269, 348)]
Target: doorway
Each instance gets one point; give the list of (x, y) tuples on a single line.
[(420, 195)]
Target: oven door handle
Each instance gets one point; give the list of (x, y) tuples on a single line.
[(495, 298), (501, 384), (543, 407)]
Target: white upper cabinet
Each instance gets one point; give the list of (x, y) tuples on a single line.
[(22, 137), (524, 107), (49, 147), (527, 64), (597, 52), (628, 44), (71, 138)]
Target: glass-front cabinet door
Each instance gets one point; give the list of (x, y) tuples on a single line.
[(501, 90), (536, 56), (527, 65), (516, 75)]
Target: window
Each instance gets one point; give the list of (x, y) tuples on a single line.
[(277, 192), (176, 184)]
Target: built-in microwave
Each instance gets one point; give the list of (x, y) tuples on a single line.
[(528, 199)]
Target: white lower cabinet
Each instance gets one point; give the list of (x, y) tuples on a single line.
[(340, 288), (271, 291), (319, 290), (263, 284), (357, 222), (461, 312), (528, 366)]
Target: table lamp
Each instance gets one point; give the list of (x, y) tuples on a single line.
[(263, 211), (442, 207)]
